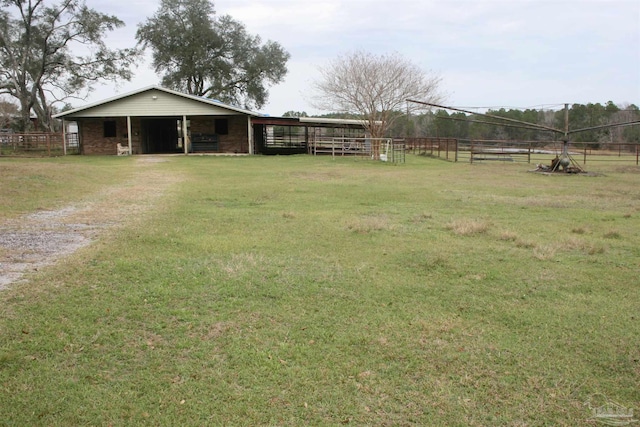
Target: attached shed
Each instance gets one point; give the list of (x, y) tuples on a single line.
[(293, 135), (155, 120)]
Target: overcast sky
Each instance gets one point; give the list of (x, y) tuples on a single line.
[(489, 53)]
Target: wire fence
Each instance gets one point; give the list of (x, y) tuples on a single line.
[(38, 144), (468, 150)]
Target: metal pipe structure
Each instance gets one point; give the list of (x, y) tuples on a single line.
[(631, 123), (566, 132), (537, 126), (490, 123)]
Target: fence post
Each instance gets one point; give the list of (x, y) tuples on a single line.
[(637, 153), (471, 151), (456, 146), (585, 155)]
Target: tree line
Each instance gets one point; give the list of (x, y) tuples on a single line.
[(444, 124)]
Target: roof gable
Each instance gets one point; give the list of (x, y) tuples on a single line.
[(154, 101)]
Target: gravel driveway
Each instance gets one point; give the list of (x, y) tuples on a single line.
[(36, 240)]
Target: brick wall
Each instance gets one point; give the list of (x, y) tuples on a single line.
[(236, 139), (94, 142)]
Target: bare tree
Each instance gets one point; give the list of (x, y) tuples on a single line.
[(374, 87)]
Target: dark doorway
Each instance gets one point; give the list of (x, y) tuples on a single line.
[(258, 138), (159, 136)]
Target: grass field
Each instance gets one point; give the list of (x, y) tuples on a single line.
[(310, 291)]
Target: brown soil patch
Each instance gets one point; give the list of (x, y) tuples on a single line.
[(42, 238)]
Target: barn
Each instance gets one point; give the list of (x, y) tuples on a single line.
[(156, 120)]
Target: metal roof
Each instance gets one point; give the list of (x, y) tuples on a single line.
[(309, 121), (203, 100)]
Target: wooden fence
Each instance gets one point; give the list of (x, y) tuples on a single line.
[(455, 150), (37, 144)]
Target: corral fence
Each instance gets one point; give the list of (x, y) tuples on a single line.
[(453, 149), (391, 150), (38, 144), (444, 148)]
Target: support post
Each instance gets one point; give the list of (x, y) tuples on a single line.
[(566, 122), (250, 135), (64, 137), (129, 139), (456, 144), (185, 137), (306, 137)]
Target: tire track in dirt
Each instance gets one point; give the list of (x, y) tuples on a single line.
[(38, 239)]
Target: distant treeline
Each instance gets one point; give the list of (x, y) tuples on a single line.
[(441, 123)]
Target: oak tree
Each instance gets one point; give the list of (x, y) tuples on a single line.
[(51, 51), (215, 57)]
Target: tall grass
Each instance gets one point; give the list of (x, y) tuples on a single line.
[(301, 290)]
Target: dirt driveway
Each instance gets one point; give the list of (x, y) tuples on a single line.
[(39, 239)]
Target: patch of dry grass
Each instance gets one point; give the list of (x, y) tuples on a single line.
[(579, 230), (468, 227), (508, 236), (370, 224), (240, 264), (613, 234), (421, 218), (545, 252), (586, 246)]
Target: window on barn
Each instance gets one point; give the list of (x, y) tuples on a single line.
[(222, 126), (110, 129)]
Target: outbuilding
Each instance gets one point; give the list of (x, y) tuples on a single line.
[(156, 120)]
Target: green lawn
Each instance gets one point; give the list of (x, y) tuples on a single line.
[(28, 185), (309, 291)]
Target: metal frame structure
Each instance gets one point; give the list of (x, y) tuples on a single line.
[(565, 161)]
